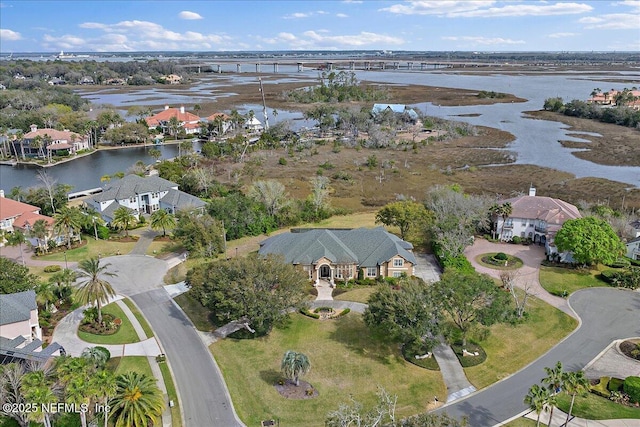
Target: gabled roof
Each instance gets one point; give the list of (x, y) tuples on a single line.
[(17, 307), (27, 219), (396, 108), (214, 116), (166, 115), (553, 211), (130, 185), (10, 208), (366, 247), (54, 134), (181, 200)]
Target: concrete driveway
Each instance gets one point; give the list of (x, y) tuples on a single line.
[(606, 314), (204, 398)]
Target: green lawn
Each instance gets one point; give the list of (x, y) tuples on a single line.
[(125, 335), (358, 294), (557, 280), (120, 365), (515, 262), (521, 422), (176, 418), (346, 360), (510, 348), (93, 248), (593, 407), (198, 314), (143, 322)]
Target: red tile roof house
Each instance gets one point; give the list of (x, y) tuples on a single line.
[(537, 218), (53, 141), (16, 215), (188, 121), (608, 98), (225, 122)]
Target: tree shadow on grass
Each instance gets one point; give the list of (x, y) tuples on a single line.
[(352, 332), (270, 376)]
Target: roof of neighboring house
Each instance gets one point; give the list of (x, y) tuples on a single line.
[(17, 307), (130, 185), (27, 219), (396, 108), (10, 208), (54, 134), (12, 350), (635, 240), (253, 122), (166, 114), (214, 116), (59, 146), (367, 247), (553, 211), (181, 200)]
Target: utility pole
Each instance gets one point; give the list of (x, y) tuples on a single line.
[(264, 106)]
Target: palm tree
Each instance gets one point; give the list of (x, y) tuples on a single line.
[(104, 385), (122, 219), (174, 125), (94, 289), (294, 365), (162, 219), (96, 356), (67, 220), (504, 210), (537, 399), (137, 401), (38, 389), (17, 238), (574, 383), (63, 280), (45, 295), (73, 375), (555, 382), (40, 232)]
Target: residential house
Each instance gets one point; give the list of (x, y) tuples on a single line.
[(253, 125), (187, 121), (633, 248), (53, 142), (20, 333), (609, 98), (330, 254), (537, 218), (396, 109), (16, 215), (142, 196), (224, 120), (172, 79)]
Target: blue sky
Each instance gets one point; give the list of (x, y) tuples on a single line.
[(444, 25)]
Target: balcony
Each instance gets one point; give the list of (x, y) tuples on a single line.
[(540, 228)]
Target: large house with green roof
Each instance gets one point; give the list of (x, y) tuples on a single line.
[(330, 254)]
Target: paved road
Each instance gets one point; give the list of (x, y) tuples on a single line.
[(203, 393), (607, 314)]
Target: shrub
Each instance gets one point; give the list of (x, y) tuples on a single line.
[(615, 384), (344, 312), (631, 386), (305, 311), (516, 239), (103, 232), (501, 256), (458, 263), (282, 161), (52, 268), (105, 352), (621, 263), (601, 387)]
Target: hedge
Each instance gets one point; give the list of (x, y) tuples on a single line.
[(631, 386), (308, 313), (601, 388), (52, 268)]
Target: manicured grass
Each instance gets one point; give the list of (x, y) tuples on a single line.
[(198, 314), (521, 422), (176, 418), (593, 407), (346, 360), (143, 322), (358, 295), (557, 280), (125, 335), (163, 247), (93, 248), (120, 365), (510, 348), (514, 262)]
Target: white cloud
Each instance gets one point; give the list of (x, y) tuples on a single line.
[(302, 15), (613, 21), (342, 15), (185, 14), (9, 35), (352, 1), (363, 39), (483, 41), (486, 9), (562, 35)]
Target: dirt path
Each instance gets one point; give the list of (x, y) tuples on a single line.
[(528, 274)]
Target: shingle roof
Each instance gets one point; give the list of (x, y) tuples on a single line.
[(366, 247), (130, 185), (396, 108), (181, 200), (17, 307), (554, 211)]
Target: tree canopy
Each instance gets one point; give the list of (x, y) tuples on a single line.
[(256, 289), (406, 215), (202, 235), (590, 240), (15, 277)]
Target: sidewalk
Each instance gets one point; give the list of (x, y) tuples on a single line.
[(559, 419)]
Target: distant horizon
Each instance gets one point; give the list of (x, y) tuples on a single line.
[(43, 26)]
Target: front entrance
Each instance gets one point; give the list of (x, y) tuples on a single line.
[(325, 272)]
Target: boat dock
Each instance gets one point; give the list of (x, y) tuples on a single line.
[(84, 193)]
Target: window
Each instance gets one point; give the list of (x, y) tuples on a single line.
[(132, 199), (398, 262), (372, 271), (397, 274)]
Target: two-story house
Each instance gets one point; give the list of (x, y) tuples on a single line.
[(142, 196), (186, 120), (537, 218), (46, 141), (16, 215), (343, 254)]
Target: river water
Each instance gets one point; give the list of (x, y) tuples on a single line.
[(537, 141)]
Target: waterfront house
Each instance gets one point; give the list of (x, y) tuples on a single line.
[(330, 254), (44, 142), (20, 333), (16, 215), (223, 120), (186, 120), (143, 196), (399, 109), (171, 79), (536, 218), (253, 125)]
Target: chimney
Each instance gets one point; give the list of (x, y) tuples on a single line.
[(182, 109), (532, 191), (166, 107), (33, 128), (2, 194)]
